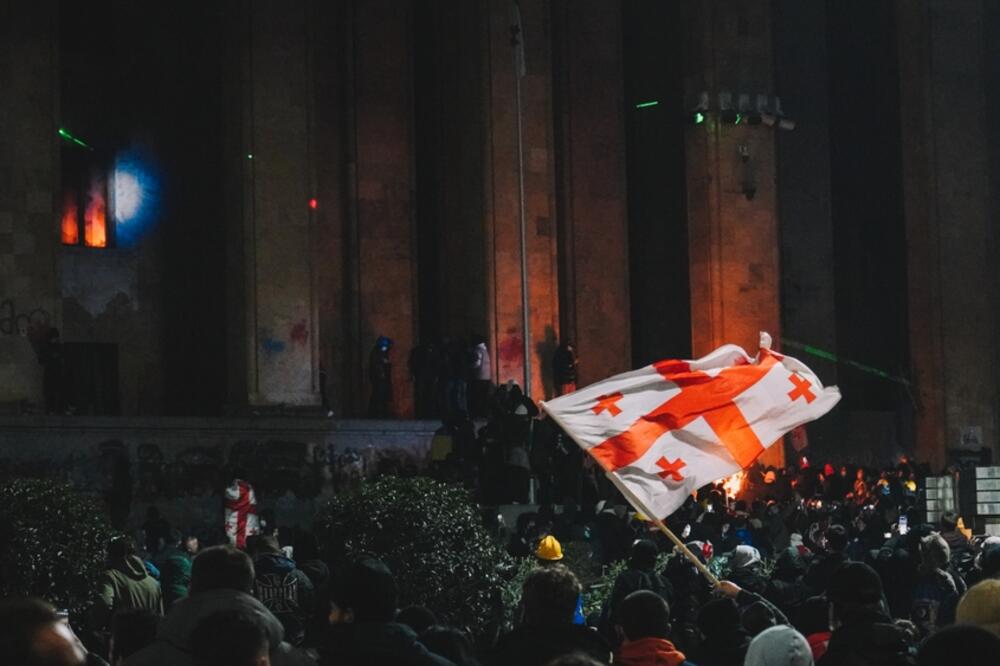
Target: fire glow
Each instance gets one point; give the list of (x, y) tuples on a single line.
[(95, 218), (732, 485)]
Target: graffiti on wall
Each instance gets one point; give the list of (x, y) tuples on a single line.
[(23, 322)]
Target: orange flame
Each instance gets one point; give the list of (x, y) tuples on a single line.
[(70, 227), (734, 484), (95, 222)]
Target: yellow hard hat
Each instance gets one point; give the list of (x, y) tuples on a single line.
[(549, 549)]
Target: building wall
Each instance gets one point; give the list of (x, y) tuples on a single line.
[(948, 197), (29, 287)]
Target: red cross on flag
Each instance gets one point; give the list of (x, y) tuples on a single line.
[(665, 430)]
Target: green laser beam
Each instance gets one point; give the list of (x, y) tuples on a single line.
[(830, 356), (69, 137), (643, 105)]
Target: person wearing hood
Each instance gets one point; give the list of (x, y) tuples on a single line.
[(935, 595), (283, 588), (125, 584), (863, 631), (779, 646), (363, 630), (175, 568), (785, 588), (221, 580), (747, 569), (643, 619)]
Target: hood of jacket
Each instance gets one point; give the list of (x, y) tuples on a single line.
[(177, 626), (873, 637), (274, 563), (649, 652), (132, 567)]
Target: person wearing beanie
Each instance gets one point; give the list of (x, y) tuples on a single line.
[(747, 569), (981, 606), (863, 631), (779, 646), (935, 595), (960, 644), (363, 629), (643, 618), (724, 641), (546, 630)]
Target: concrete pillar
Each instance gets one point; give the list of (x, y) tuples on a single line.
[(281, 299), (590, 167), (502, 201), (732, 207), (29, 225), (382, 255), (947, 194)]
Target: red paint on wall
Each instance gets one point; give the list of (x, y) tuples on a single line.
[(299, 333), (511, 348)]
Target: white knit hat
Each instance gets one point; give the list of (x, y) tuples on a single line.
[(779, 646)]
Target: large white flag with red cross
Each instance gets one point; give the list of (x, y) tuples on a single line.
[(665, 430)]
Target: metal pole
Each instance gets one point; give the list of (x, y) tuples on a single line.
[(517, 42)]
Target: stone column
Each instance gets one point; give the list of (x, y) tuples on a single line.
[(732, 209), (503, 254), (383, 256), (946, 186), (29, 225), (590, 167), (281, 305)]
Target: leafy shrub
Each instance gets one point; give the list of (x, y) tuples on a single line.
[(52, 543), (431, 536)]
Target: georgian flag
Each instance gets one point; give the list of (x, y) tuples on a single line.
[(240, 513), (663, 431)]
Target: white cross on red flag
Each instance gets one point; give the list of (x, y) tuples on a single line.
[(663, 431)]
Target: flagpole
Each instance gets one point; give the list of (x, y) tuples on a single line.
[(517, 53), (639, 505), (680, 545)]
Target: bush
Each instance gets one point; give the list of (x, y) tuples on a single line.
[(431, 536), (52, 543)]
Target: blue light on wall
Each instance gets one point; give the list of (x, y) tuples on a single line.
[(135, 195)]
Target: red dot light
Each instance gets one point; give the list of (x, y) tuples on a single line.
[(313, 204)]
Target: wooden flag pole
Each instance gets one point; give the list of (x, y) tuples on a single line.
[(639, 506)]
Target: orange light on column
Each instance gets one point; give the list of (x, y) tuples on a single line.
[(95, 218), (70, 225)]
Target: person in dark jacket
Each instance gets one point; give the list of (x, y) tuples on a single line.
[(785, 587), (283, 588), (961, 644), (640, 575), (564, 365), (363, 631), (643, 618), (546, 630), (833, 555), (380, 376), (221, 580), (175, 568), (863, 632), (935, 595)]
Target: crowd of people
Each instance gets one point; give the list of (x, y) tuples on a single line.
[(818, 565)]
